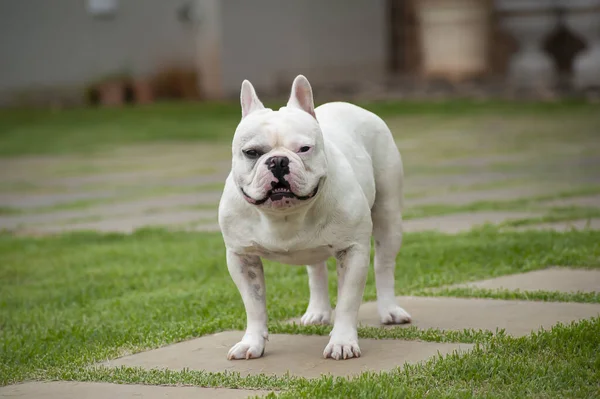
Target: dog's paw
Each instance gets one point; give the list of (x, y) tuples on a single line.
[(250, 347), (316, 316), (342, 347), (394, 315)]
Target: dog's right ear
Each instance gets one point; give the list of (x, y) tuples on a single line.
[(302, 96), (249, 99)]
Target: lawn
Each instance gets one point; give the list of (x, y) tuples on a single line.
[(72, 300), (69, 301), (41, 132)]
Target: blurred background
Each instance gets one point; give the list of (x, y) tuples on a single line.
[(118, 114), (108, 52)]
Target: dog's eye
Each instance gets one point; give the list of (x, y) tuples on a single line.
[(304, 149), (252, 154)]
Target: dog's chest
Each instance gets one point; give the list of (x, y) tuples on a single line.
[(295, 255)]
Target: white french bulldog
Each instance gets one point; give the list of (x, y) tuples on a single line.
[(307, 184)]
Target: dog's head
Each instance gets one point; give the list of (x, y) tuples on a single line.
[(278, 156)]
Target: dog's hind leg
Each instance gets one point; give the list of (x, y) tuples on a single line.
[(319, 307), (387, 232)]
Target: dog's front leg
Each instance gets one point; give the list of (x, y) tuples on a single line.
[(247, 274), (343, 342)]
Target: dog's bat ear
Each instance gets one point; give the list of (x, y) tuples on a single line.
[(301, 96), (249, 99)]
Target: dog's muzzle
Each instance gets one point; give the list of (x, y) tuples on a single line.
[(279, 191)]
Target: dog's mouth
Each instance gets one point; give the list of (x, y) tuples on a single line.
[(280, 190)]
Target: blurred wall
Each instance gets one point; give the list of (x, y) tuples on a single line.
[(59, 43), (270, 41)]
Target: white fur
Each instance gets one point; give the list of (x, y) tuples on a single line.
[(358, 170)]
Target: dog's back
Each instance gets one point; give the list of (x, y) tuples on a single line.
[(366, 142)]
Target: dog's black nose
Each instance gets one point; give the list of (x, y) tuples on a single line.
[(279, 166)]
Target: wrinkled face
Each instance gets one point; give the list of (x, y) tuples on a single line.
[(278, 158)]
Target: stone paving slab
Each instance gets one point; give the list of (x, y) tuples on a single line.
[(129, 224), (568, 225), (451, 224), (553, 279), (25, 201), (208, 227), (468, 197), (460, 222), (141, 182), (300, 355), (421, 182), (592, 201), (486, 160), (137, 177), (156, 157), (518, 318), (109, 210), (97, 390)]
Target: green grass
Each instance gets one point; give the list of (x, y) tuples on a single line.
[(539, 295), (409, 333), (8, 210), (555, 214), (534, 203), (558, 214), (124, 197), (87, 130), (72, 300), (562, 362), (21, 186)]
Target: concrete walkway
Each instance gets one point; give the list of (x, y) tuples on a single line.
[(298, 355), (129, 189), (551, 279), (146, 186), (301, 355), (97, 390), (517, 318)]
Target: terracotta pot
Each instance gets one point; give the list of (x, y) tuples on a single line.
[(111, 94), (454, 37), (188, 85), (143, 92), (176, 82)]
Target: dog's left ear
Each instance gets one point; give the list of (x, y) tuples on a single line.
[(249, 99), (301, 96)]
